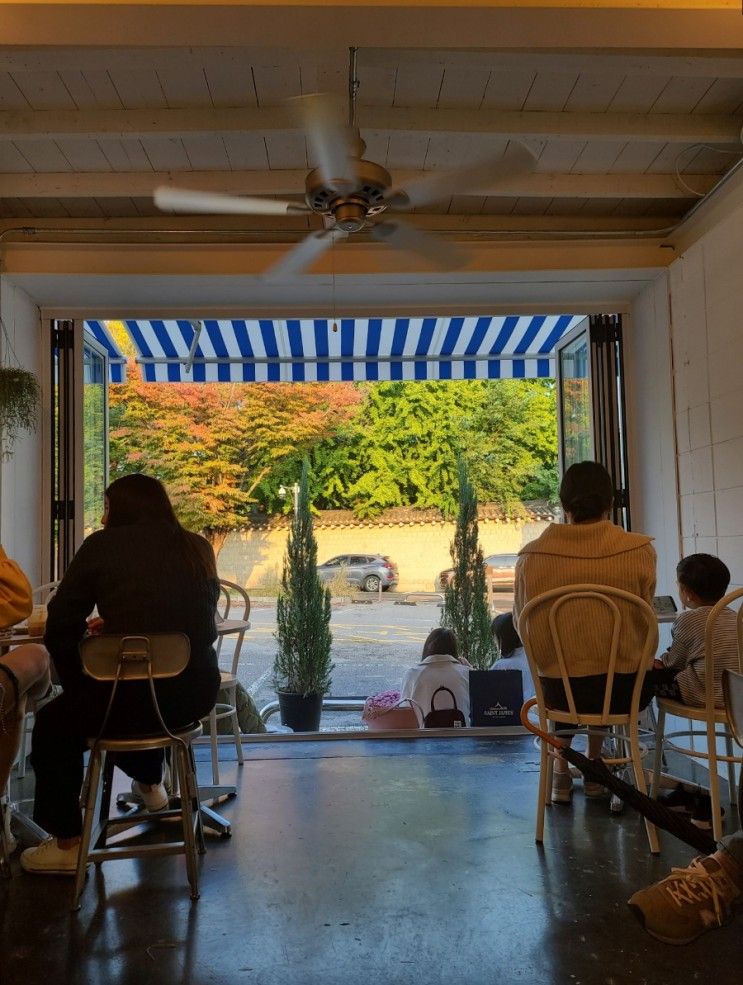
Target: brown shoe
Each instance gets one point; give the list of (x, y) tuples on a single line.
[(688, 902)]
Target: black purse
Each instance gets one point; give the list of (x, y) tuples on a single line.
[(444, 717)]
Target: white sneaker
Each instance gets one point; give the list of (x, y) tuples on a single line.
[(562, 787), (48, 859), (154, 798)]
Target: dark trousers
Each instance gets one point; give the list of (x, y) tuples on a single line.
[(63, 726)]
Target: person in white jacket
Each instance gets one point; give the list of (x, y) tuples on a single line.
[(440, 666)]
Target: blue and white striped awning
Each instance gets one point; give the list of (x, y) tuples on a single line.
[(352, 349), (116, 359)]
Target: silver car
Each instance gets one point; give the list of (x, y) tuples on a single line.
[(368, 571)]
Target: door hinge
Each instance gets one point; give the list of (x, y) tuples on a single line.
[(64, 509)]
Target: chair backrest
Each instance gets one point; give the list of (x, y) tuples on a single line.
[(226, 591), (42, 593), (576, 607), (135, 657), (709, 645), (732, 689)]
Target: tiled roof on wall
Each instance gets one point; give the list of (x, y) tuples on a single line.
[(535, 510)]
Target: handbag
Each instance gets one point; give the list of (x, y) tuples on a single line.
[(406, 714), (444, 717)]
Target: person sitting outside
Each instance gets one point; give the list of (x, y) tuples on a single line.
[(440, 666), (512, 654), (587, 549)]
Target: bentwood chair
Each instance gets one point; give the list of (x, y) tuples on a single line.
[(712, 718), (121, 659), (226, 709), (732, 689), (590, 611)]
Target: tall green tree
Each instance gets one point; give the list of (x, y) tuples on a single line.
[(465, 607), (302, 664)]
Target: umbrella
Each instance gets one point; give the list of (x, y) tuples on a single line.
[(597, 771)]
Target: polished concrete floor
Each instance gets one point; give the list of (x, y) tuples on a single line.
[(362, 862)]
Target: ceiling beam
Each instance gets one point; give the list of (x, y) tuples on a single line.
[(135, 123), (140, 184), (651, 62)]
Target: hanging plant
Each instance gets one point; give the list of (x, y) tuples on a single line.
[(19, 404)]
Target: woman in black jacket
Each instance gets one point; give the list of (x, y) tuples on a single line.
[(146, 574)]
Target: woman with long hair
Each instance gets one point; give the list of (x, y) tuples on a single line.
[(440, 666), (145, 574)]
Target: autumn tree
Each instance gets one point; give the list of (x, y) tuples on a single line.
[(213, 444)]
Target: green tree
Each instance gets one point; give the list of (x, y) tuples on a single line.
[(302, 664), (465, 608)]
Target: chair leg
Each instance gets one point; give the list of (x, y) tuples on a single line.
[(23, 749), (730, 752), (658, 758), (189, 805), (91, 794), (238, 737), (714, 781), (214, 744), (634, 742), (545, 773)]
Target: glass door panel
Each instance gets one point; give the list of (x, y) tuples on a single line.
[(574, 392), (95, 433)]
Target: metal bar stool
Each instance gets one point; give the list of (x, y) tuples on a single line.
[(138, 658)]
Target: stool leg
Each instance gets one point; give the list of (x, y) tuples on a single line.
[(91, 794), (214, 743), (187, 818), (201, 844)]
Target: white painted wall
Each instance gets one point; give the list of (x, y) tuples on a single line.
[(706, 310), (21, 476), (651, 439)]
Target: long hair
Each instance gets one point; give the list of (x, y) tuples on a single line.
[(440, 641), (586, 491), (139, 498)]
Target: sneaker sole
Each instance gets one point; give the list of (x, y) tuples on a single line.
[(679, 941), (49, 872)]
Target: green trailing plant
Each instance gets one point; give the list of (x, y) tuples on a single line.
[(465, 607), (302, 664), (19, 405)]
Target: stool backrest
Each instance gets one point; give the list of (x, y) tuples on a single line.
[(135, 657)]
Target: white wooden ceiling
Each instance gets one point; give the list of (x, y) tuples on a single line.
[(624, 140)]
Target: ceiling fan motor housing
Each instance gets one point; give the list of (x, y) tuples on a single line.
[(350, 207)]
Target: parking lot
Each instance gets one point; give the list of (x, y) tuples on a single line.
[(374, 643)]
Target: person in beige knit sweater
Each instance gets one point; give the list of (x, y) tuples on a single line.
[(588, 548)]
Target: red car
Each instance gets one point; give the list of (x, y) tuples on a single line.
[(500, 571)]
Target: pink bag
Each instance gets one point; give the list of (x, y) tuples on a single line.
[(406, 714)]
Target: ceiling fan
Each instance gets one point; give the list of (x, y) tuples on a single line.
[(350, 193)]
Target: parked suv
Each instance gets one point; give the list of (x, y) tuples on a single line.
[(500, 571), (368, 571)]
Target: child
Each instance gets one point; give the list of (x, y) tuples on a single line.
[(680, 673)]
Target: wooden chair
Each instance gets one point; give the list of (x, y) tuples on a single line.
[(579, 605), (715, 722), (138, 658), (227, 709), (732, 689)]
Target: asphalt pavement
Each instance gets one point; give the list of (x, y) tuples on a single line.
[(374, 643)]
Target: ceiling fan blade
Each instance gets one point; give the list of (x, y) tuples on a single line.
[(185, 200), (402, 236), (302, 255), (332, 142), (478, 178)]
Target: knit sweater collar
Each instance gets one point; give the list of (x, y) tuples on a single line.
[(585, 540)]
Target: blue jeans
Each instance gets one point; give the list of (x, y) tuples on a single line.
[(733, 845)]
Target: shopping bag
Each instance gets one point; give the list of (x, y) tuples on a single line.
[(496, 697)]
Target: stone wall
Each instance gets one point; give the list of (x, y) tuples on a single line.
[(253, 557)]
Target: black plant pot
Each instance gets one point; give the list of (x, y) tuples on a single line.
[(300, 712)]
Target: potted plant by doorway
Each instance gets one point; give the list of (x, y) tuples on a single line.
[(302, 666), (19, 404)]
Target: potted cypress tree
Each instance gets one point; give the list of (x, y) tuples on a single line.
[(465, 606), (302, 666)]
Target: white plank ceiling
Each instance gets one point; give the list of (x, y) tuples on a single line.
[(664, 117)]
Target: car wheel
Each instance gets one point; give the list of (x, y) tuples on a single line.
[(371, 583)]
